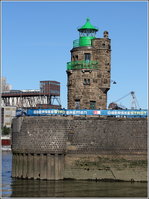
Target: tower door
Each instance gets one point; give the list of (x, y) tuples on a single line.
[(92, 105), (77, 104)]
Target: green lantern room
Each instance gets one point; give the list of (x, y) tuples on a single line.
[(86, 33)]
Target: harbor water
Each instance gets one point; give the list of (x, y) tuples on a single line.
[(65, 188)]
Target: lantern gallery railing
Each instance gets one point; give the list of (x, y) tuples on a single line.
[(76, 43), (82, 65)]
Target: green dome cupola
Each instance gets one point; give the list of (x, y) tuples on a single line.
[(87, 33)]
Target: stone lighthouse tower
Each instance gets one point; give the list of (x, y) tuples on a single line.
[(89, 70)]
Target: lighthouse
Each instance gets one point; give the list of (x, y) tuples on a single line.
[(88, 72)]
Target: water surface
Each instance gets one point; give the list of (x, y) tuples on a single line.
[(67, 188)]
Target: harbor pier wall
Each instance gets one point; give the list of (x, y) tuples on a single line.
[(75, 147)]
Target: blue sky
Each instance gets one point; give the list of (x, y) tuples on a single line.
[(37, 38)]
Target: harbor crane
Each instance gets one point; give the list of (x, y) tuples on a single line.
[(134, 102)]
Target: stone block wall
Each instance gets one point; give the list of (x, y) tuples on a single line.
[(108, 136), (39, 135)]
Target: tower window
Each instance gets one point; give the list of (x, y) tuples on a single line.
[(92, 104), (76, 58), (87, 56), (105, 81), (86, 82), (77, 104)]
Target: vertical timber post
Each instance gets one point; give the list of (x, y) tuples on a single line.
[(43, 166), (59, 166), (50, 167), (30, 166), (13, 165), (36, 166), (17, 164), (25, 157)]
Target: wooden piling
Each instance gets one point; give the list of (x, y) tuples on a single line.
[(17, 165), (61, 166), (25, 161), (13, 165), (50, 167), (30, 168), (36, 166), (20, 165), (56, 167), (43, 161)]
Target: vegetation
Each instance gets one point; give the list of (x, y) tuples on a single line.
[(6, 130), (102, 163)]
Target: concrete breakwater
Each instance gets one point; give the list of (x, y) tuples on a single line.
[(94, 148)]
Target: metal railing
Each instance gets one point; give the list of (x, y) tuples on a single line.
[(82, 65), (76, 43)]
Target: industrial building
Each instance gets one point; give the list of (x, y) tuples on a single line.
[(47, 96), (7, 114)]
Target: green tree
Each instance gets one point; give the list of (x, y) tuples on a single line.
[(6, 130)]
